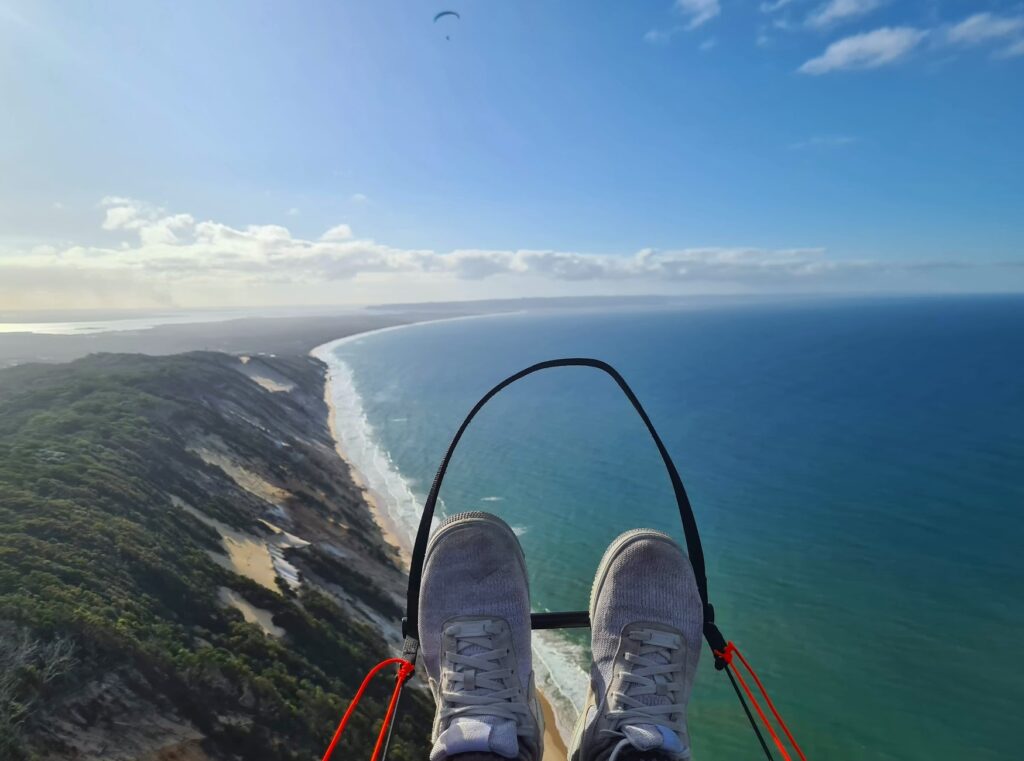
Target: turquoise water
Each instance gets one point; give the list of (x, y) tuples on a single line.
[(856, 468)]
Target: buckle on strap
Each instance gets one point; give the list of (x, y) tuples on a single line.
[(410, 649), (714, 637)]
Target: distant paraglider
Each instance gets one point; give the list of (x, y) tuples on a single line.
[(443, 14)]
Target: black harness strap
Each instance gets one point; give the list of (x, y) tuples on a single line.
[(410, 625)]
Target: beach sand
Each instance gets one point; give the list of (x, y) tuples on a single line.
[(554, 745), (383, 521)]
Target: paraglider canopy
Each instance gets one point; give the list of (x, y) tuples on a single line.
[(443, 14)]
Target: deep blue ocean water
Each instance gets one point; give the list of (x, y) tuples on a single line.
[(856, 469)]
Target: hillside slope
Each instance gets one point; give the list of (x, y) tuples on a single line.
[(186, 569)]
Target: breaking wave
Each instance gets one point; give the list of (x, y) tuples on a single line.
[(558, 661)]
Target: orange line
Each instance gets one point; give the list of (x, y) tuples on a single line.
[(757, 707), (771, 705), (404, 672)]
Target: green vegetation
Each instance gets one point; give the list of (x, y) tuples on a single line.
[(106, 576)]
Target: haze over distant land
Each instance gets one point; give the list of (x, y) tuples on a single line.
[(60, 336), (295, 335)]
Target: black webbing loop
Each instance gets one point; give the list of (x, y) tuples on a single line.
[(568, 619), (693, 545)]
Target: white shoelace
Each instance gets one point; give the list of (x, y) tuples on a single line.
[(473, 680), (649, 671)]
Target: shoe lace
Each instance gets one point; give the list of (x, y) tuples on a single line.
[(650, 680), (474, 681), (637, 755)]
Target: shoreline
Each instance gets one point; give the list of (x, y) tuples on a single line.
[(380, 516), (555, 747)]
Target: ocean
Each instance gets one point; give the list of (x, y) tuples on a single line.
[(856, 467)]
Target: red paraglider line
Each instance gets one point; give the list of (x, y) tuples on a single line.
[(405, 670), (726, 655)]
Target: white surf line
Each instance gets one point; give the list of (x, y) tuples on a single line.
[(324, 349), (373, 465), (560, 677), (557, 659)]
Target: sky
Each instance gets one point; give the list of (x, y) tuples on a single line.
[(198, 154)]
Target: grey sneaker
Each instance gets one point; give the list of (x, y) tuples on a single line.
[(474, 627), (646, 622)]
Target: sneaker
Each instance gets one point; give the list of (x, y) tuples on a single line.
[(646, 622), (474, 625)]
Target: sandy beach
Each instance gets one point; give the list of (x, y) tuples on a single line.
[(554, 744), (381, 518)]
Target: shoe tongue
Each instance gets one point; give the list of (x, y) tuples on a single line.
[(476, 734), (648, 737)]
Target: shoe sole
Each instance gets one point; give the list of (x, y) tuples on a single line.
[(610, 554)]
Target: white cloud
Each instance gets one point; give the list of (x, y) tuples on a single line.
[(161, 258), (708, 44), (153, 225), (772, 7), (337, 233), (158, 250), (125, 213), (699, 12), (1013, 50), (661, 36), (835, 11), (293, 212), (866, 51), (984, 27), (359, 198), (889, 44), (166, 229)]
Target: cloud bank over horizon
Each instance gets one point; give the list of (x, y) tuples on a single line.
[(163, 258)]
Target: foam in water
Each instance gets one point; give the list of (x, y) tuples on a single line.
[(558, 662), (355, 435)]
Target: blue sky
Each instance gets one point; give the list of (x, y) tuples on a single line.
[(195, 153)]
